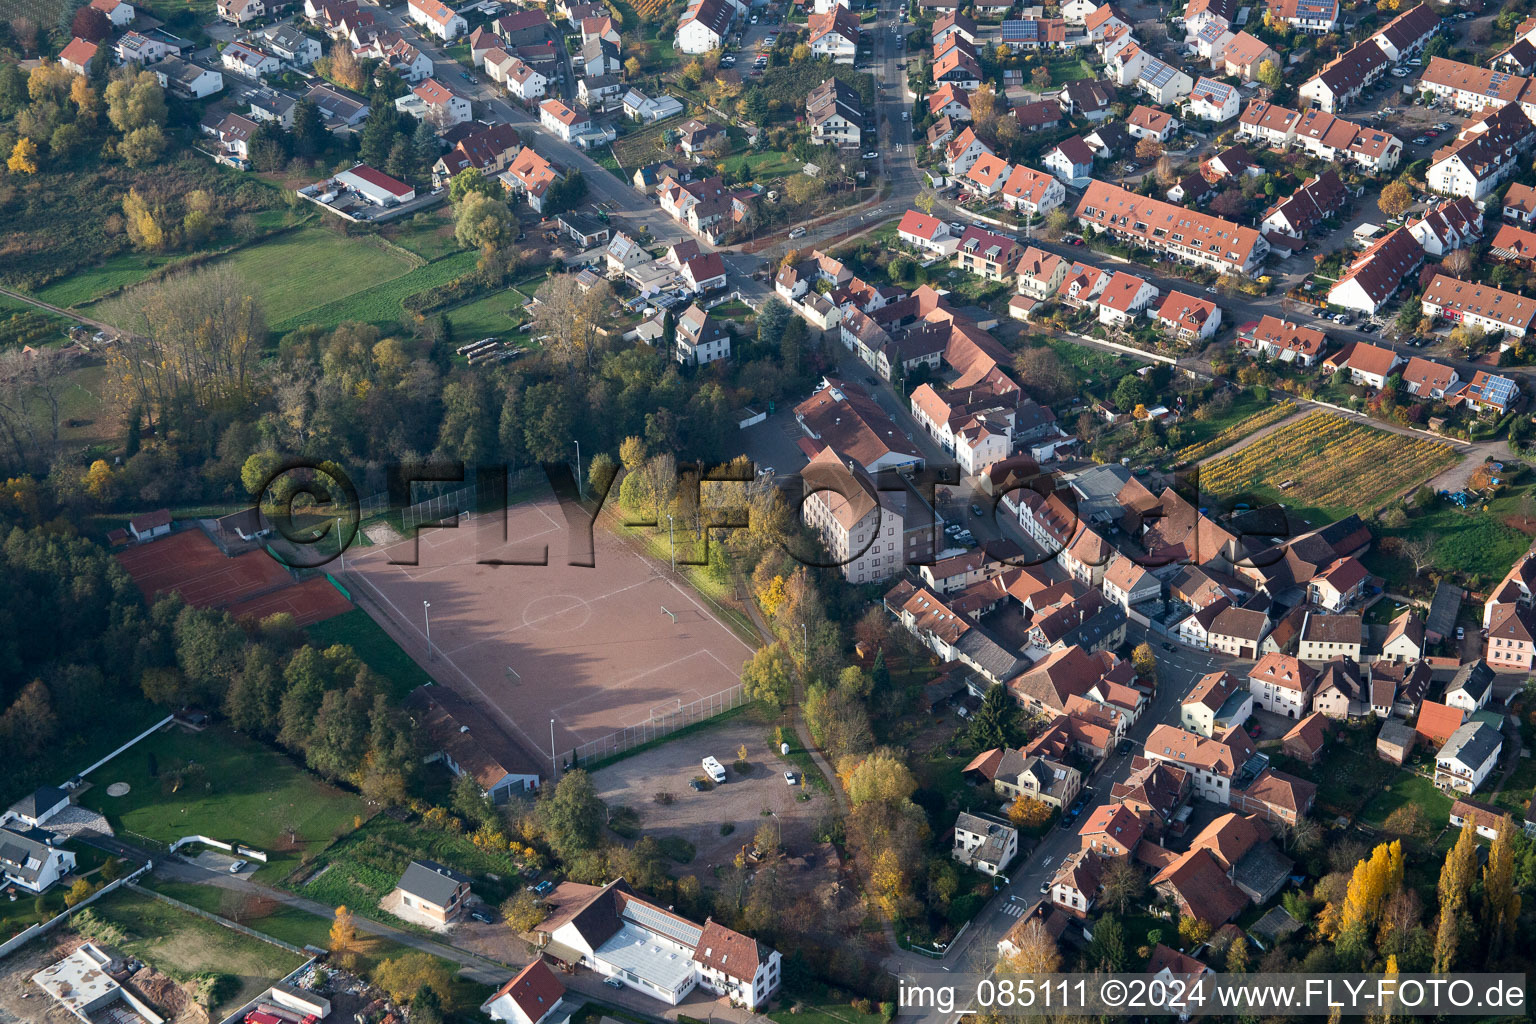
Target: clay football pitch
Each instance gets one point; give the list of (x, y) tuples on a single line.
[(599, 649)]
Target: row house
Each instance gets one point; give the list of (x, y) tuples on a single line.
[(1281, 684), (1217, 702), (1342, 81), (1449, 225), (952, 635), (1325, 637), (1319, 199), (1475, 305), (1187, 235), (1320, 134), (1469, 87), (1483, 155), (1378, 273)]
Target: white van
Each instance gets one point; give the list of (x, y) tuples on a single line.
[(714, 770)]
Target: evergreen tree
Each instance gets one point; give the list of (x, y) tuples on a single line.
[(308, 133)]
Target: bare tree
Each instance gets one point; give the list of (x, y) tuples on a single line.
[(1416, 550), (32, 385)]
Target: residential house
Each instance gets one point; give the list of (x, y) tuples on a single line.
[(1127, 583), (703, 26), (1409, 33), (1124, 298), (983, 842), (835, 114), (962, 151), (1163, 83), (1426, 378), (530, 997), (1319, 199), (1075, 886), (1378, 272), (37, 808), (1146, 122), (524, 82), (1472, 687), (1013, 774), (1511, 642), (700, 338), (1069, 159), (1366, 364), (1405, 638), (118, 12), (435, 104), (468, 742), (1213, 762), (1469, 87), (1243, 55), (1452, 224), (437, 18), (238, 12), (1212, 100), (1273, 338), (1188, 318), (31, 859), (872, 533), (987, 175), (1039, 273), (289, 43), (1342, 81), (654, 951), (1395, 741), (1475, 305), (1487, 393), (1306, 739), (1314, 17), (1486, 819), (1512, 244), (1281, 684), (1468, 757), (988, 255), (926, 233), (489, 150), (248, 61), (1343, 690), (137, 48), (233, 134), (1112, 831), (834, 34), (1217, 702), (1520, 204), (1187, 235), (530, 177), (1031, 192), (1324, 637), (1483, 155), (339, 110), (1088, 99), (564, 122), (640, 107), (429, 890), (77, 56)]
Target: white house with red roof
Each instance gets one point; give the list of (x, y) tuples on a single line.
[(963, 150), (1477, 305), (437, 18), (1367, 364), (1123, 299), (1429, 379), (565, 122), (1285, 340), (529, 998), (77, 56), (1069, 159), (118, 12), (434, 103), (1211, 100), (1190, 318), (1032, 192), (1377, 274), (987, 175), (1149, 123), (524, 82), (248, 61), (927, 233), (1039, 273), (238, 12)]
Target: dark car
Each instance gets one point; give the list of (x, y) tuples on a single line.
[(480, 915), (696, 785), (1125, 747)]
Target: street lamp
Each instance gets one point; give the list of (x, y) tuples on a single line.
[(672, 541), (579, 493), (426, 613), (780, 824), (554, 765), (341, 548)]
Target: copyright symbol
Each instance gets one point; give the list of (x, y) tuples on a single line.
[(313, 506), (1113, 993)]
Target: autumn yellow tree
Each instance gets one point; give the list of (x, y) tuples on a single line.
[(1026, 812), (1035, 951), (888, 883), (99, 483), (773, 597), (1144, 659), (143, 223), (1454, 890), (1395, 199), (23, 157), (1501, 898), (343, 932)]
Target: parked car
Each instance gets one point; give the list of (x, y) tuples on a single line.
[(975, 509), (613, 983), (544, 887), (1461, 633), (789, 778), (1125, 747), (240, 865), (1045, 887), (873, 154), (480, 915), (696, 785)]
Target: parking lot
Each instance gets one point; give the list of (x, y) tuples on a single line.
[(742, 802)]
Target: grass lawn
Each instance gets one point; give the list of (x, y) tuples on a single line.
[(821, 1011), (363, 868), (1066, 70), (1405, 789), (184, 946), (489, 316), (117, 272), (1517, 791), (377, 648), (1093, 366), (1346, 778), (83, 747), (247, 792), (767, 165), (1464, 542), (605, 157), (382, 303), (1336, 466), (428, 235)]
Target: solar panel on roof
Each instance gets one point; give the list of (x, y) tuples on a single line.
[(662, 923)]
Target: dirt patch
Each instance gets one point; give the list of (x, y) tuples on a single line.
[(1525, 524), (22, 1002), (174, 1002)]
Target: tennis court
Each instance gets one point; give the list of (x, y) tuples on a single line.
[(252, 585), (597, 649)]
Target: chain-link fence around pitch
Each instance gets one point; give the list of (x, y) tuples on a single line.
[(664, 721)]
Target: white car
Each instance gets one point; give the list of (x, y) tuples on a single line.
[(873, 154), (789, 778)]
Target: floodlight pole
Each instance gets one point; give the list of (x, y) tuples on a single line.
[(426, 613), (554, 764)]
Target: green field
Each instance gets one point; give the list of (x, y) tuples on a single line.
[(382, 303), (428, 235), (357, 630), (184, 946), (117, 272), (305, 269), (363, 868), (1462, 542), (1069, 69), (1405, 789), (489, 316), (245, 792)]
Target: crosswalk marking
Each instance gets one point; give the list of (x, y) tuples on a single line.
[(1013, 910)]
